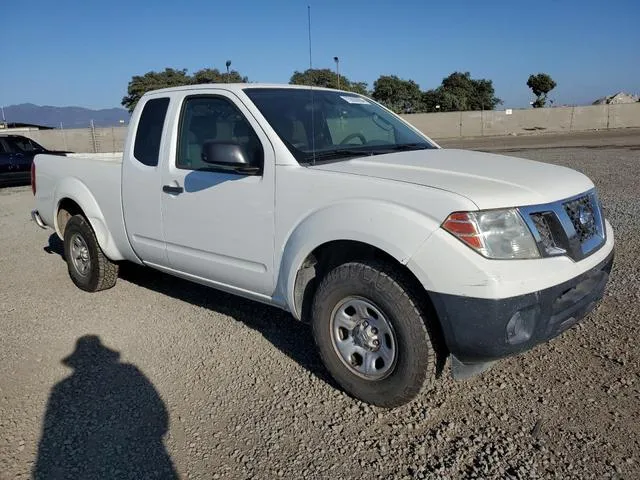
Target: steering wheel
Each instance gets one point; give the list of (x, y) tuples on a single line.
[(352, 136)]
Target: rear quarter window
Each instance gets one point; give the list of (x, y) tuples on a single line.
[(146, 149)]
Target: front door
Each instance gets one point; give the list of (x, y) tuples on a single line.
[(12, 163), (24, 152), (6, 158), (219, 225)]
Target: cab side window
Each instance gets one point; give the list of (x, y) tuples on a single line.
[(210, 118), (149, 134)]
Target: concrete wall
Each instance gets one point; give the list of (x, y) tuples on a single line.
[(624, 115), (436, 125), (519, 122), (101, 140)]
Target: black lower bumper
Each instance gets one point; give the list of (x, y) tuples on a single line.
[(479, 330)]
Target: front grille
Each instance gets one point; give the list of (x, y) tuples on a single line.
[(572, 227), (546, 238), (582, 216)]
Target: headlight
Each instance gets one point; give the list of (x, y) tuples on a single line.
[(499, 234)]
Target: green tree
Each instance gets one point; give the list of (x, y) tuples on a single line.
[(460, 92), (540, 84), (324, 77), (208, 75), (401, 96), (140, 84), (170, 77), (359, 87), (440, 99)]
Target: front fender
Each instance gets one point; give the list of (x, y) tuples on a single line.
[(393, 228), (74, 189)]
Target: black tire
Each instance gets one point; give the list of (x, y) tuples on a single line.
[(101, 272), (389, 290)]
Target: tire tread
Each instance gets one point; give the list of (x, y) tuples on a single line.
[(391, 279), (107, 271)]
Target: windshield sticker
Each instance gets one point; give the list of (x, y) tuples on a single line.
[(359, 100)]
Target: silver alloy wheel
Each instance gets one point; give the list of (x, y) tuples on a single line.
[(80, 254), (363, 338)]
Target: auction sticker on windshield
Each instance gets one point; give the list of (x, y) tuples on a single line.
[(359, 100)]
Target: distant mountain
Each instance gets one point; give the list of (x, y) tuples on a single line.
[(71, 117)]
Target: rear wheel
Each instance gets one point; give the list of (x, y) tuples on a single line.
[(372, 335), (88, 267)]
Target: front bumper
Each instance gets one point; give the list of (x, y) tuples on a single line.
[(480, 330)]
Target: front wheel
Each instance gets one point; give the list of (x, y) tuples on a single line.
[(372, 335), (89, 269)]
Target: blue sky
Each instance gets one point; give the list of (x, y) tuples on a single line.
[(80, 52)]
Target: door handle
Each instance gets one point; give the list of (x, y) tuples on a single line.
[(173, 189)]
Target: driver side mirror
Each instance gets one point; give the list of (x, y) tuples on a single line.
[(228, 156)]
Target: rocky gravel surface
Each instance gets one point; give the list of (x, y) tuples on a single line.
[(160, 378)]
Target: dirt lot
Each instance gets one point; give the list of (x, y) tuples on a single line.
[(211, 386)]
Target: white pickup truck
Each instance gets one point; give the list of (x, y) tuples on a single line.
[(323, 203)]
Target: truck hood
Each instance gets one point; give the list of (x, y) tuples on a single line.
[(488, 180)]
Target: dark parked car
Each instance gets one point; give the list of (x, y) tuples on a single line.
[(16, 157)]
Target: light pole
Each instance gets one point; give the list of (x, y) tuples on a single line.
[(228, 64), (337, 60)]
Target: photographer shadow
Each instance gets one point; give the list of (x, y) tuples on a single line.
[(106, 420)]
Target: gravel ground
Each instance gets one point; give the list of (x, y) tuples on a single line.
[(172, 379)]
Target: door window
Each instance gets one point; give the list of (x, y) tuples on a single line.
[(209, 118), (25, 144)]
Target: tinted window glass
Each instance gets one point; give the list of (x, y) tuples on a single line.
[(213, 119), (322, 121), (147, 147), (26, 144), (4, 146)]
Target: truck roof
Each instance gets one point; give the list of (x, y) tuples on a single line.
[(239, 86)]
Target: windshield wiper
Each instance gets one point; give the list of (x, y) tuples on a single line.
[(341, 153), (336, 154), (402, 147)]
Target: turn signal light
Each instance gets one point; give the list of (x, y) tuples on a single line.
[(463, 226)]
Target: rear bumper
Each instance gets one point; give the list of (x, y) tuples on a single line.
[(480, 330)]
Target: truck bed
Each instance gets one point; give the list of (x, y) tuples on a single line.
[(93, 180)]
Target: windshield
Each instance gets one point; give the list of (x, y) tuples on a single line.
[(343, 125)]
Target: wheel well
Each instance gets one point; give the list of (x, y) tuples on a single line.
[(67, 209), (329, 255)]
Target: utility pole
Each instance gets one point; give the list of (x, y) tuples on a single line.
[(337, 60), (64, 137), (93, 136)]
